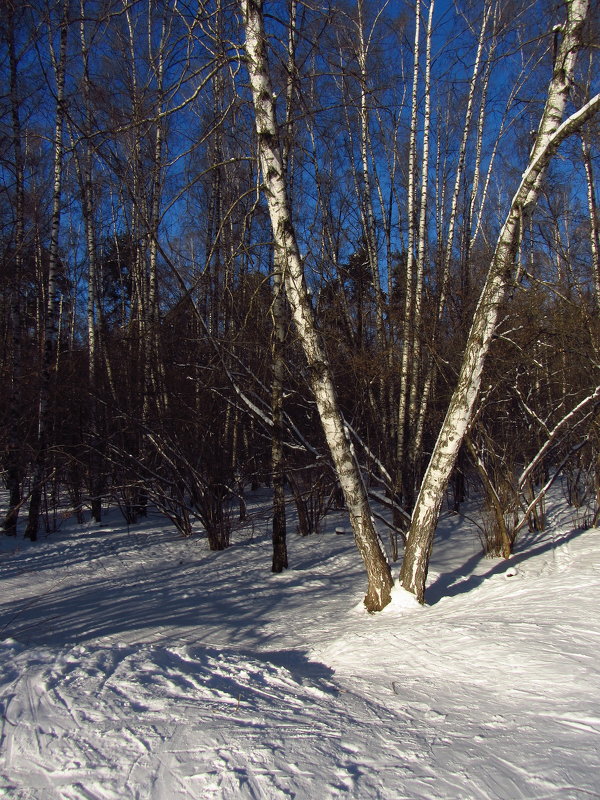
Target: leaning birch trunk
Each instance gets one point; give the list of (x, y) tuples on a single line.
[(460, 411), (367, 541)]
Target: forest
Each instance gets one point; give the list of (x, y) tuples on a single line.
[(347, 249)]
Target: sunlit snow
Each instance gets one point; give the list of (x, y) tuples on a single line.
[(135, 664)]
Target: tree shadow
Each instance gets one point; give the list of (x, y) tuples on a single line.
[(462, 579), (300, 666), (106, 589)]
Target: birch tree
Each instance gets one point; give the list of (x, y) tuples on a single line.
[(593, 214), (417, 320), (409, 299), (348, 473), (551, 132)]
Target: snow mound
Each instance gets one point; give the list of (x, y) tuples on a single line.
[(402, 602)]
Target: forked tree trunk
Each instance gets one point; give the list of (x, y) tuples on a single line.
[(287, 253), (460, 411)]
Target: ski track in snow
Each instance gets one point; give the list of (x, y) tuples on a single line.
[(137, 665), (154, 722)]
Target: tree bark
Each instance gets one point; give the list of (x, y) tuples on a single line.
[(378, 571), (417, 394), (460, 411), (593, 212), (409, 300)]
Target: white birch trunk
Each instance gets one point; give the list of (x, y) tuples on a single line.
[(407, 332), (419, 423), (593, 212), (414, 405), (378, 571), (461, 166), (460, 411)]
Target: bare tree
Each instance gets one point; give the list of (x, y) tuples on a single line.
[(551, 132), (280, 555), (14, 456), (348, 473), (50, 327)]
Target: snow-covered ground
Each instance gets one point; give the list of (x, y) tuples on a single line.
[(135, 664)]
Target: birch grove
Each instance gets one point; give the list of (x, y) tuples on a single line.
[(460, 411), (348, 473), (344, 254)]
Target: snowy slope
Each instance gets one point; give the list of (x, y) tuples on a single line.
[(138, 665)]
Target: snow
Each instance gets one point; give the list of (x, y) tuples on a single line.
[(402, 602), (136, 664)]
